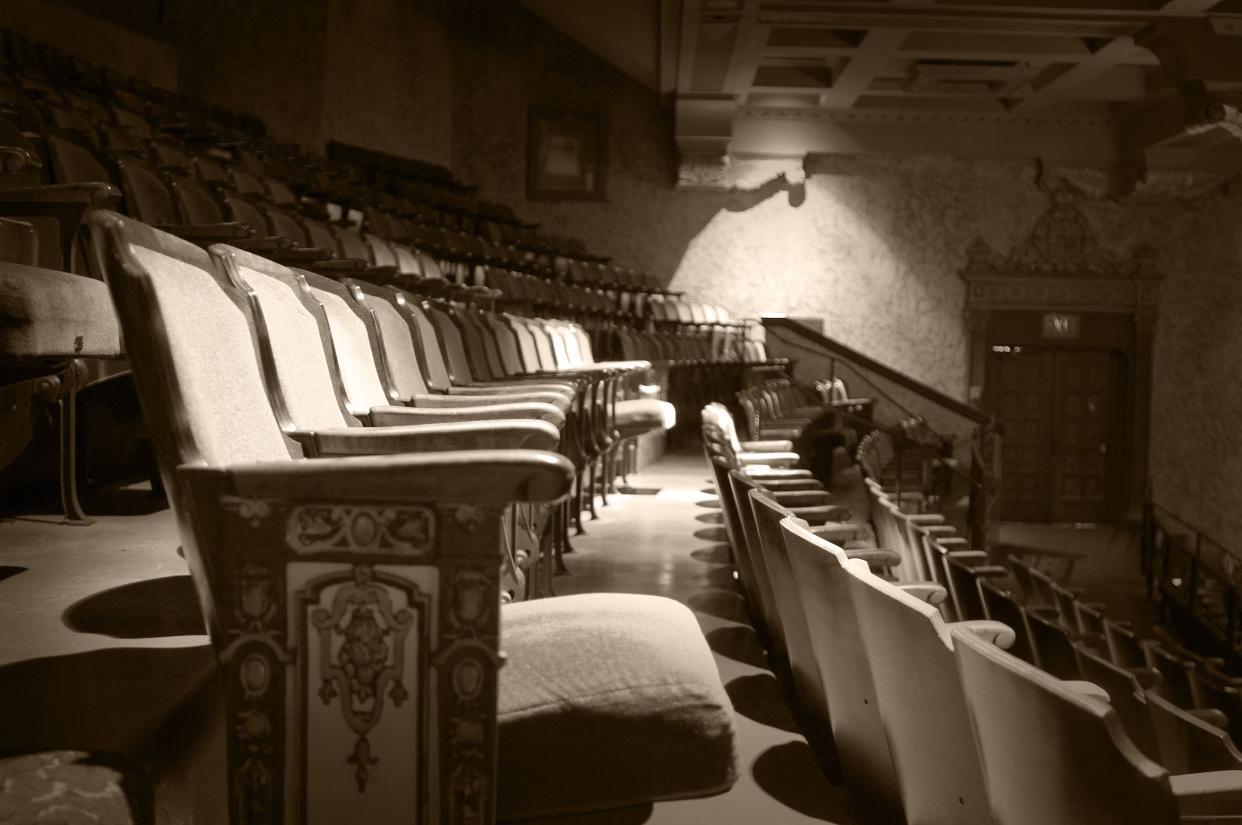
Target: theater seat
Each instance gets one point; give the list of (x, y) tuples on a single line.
[(639, 415), (608, 700), (49, 314)]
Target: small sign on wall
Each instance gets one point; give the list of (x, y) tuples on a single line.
[(1061, 325)]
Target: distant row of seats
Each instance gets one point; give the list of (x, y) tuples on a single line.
[(931, 719)]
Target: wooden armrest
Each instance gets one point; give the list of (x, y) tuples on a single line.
[(1089, 689), (926, 518), (1208, 794), (991, 571), (929, 592), (801, 498), (1212, 716), (564, 390), (838, 532), (773, 445), (268, 245), (483, 476), (945, 530), (791, 484), (959, 541), (472, 435), (998, 633), (15, 159), (490, 399), (759, 472), (963, 555), (1148, 677), (208, 232), (61, 194), (875, 556), (820, 514), (400, 416)]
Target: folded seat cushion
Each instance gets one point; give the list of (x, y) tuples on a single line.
[(608, 700)]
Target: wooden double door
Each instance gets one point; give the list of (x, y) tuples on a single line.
[(1061, 414)]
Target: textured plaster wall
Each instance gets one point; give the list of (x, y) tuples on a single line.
[(99, 41), (1196, 440), (505, 60), (387, 83), (260, 56)]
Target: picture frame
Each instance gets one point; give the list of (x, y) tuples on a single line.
[(566, 154)]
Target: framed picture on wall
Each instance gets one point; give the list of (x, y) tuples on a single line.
[(566, 154)]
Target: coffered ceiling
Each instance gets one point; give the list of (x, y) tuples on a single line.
[(1120, 83), (1123, 85)]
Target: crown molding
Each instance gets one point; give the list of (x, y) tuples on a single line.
[(907, 117)]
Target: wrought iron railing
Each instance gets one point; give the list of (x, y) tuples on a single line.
[(1195, 578), (971, 434)]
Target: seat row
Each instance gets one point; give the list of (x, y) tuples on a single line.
[(331, 515), (931, 719)]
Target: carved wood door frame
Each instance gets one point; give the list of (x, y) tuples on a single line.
[(1062, 269)]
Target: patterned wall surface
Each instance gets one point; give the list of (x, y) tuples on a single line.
[(1196, 440)]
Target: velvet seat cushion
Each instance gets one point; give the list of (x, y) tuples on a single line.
[(50, 314), (640, 415), (608, 700)]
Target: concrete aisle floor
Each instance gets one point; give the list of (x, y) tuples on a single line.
[(671, 543)]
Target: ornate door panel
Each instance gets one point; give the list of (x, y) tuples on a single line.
[(1082, 434), (1021, 385)]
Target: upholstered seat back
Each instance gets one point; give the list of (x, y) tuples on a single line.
[(396, 340), (452, 345), (921, 705), (807, 681), (744, 521), (198, 370), (435, 366), (1051, 754), (295, 340), (356, 346), (506, 344), (845, 671)]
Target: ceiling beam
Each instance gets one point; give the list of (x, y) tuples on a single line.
[(1102, 61), (747, 49), (1190, 49), (874, 52), (877, 16)]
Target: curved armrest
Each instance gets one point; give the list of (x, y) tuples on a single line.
[(821, 514), (209, 232), (763, 473), (838, 532), (62, 194), (998, 633), (773, 446), (491, 476), (473, 435), (15, 159), (929, 592), (1212, 716), (1088, 689), (401, 416), (784, 485), (434, 400), (991, 571), (565, 390), (1208, 794), (776, 459), (801, 498), (1148, 677), (876, 556)]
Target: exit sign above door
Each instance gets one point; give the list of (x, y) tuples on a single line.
[(1061, 325)]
